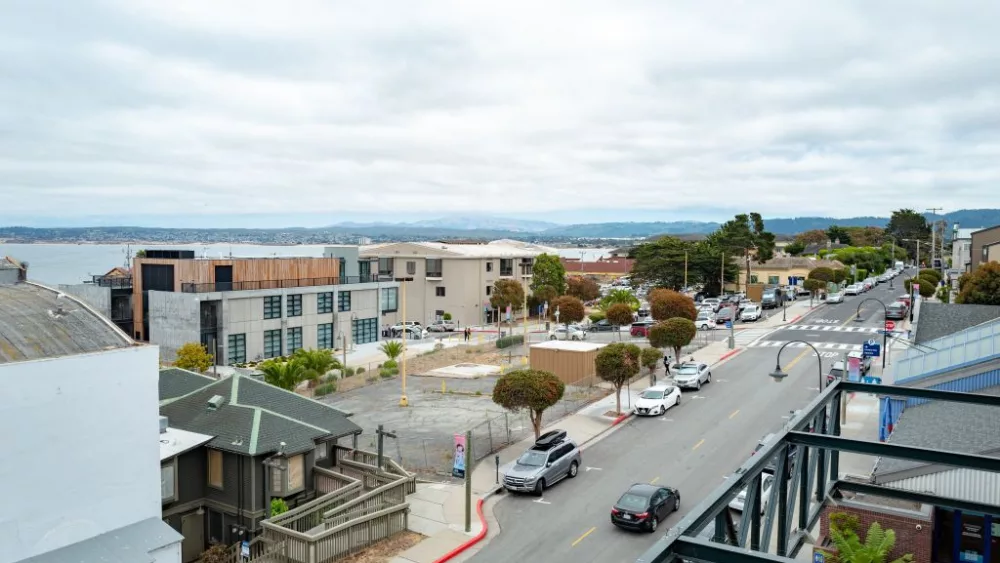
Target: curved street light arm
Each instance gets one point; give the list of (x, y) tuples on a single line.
[(819, 359)]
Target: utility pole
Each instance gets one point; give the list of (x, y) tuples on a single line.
[(524, 276), (382, 434), (933, 210), (403, 401), (468, 480), (722, 276), (685, 270)]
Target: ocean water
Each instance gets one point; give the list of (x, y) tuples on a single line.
[(55, 264)]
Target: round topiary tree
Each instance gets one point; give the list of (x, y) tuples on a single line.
[(930, 274), (617, 364), (927, 287), (650, 359), (571, 309), (822, 273), (619, 315), (667, 304), (814, 285), (674, 333), (529, 389)]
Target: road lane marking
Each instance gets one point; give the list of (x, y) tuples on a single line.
[(698, 445), (795, 360), (735, 412), (655, 479), (585, 534), (585, 469), (541, 501)]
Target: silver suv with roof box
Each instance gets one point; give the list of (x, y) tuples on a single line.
[(552, 458)]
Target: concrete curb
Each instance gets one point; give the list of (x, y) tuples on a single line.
[(727, 355), (478, 537), (621, 418)]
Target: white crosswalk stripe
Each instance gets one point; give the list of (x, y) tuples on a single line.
[(818, 345), (834, 328)]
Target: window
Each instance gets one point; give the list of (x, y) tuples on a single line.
[(324, 302), (215, 469), (277, 481), (527, 265), (489, 290), (390, 299), (272, 307), (237, 349), (364, 330), (296, 473), (294, 339), (364, 270), (342, 267), (411, 268), (167, 482), (434, 267), (506, 266), (294, 305), (489, 266), (321, 451), (385, 267), (272, 343), (773, 280), (439, 291), (324, 336), (753, 278), (343, 301)]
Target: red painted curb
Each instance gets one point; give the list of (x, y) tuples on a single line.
[(620, 419), (473, 541), (795, 319), (730, 354)]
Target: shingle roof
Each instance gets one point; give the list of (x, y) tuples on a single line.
[(128, 544), (38, 322), (255, 417), (940, 425), (175, 382), (938, 320)]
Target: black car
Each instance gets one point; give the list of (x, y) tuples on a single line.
[(725, 314), (643, 507), (601, 326)]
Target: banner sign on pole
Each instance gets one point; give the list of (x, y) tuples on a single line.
[(458, 467), (854, 369)]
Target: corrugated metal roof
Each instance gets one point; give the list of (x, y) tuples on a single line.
[(972, 485), (38, 322)]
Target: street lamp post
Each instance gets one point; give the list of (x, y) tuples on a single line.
[(403, 401), (779, 374), (354, 319), (885, 333)]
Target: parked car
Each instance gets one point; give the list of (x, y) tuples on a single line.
[(412, 329), (835, 297), (441, 326), (771, 467), (572, 332), (905, 299), (750, 313), (766, 484), (641, 328), (602, 326), (705, 321), (839, 370), (772, 298), (552, 458), (853, 289), (714, 302), (692, 376), (644, 506), (896, 311), (657, 399)]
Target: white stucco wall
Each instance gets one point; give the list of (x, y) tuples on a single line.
[(80, 452), (167, 554)]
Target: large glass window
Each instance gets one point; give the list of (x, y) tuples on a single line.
[(385, 267), (773, 280), (343, 301), (294, 339), (364, 270), (324, 336), (294, 305), (364, 330), (434, 267), (390, 299), (237, 349), (506, 266), (272, 343), (272, 307), (324, 302)]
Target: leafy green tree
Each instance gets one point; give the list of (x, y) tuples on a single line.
[(617, 363), (571, 309), (316, 363), (549, 270), (193, 356), (711, 262), (650, 359), (814, 286), (822, 273), (584, 289), (927, 287), (878, 546), (619, 315), (930, 274), (815, 236), (840, 275), (286, 375), (981, 286), (908, 224), (666, 304), (622, 296), (391, 348), (507, 292), (544, 294), (531, 390), (661, 262), (794, 248), (865, 236), (746, 233), (838, 234), (673, 333)]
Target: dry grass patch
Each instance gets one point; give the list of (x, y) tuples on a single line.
[(386, 549)]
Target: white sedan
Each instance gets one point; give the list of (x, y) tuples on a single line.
[(750, 313), (740, 501), (835, 298), (570, 333), (657, 399), (705, 321), (852, 289)]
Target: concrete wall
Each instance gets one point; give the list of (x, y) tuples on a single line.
[(81, 448), (8, 276), (94, 295), (167, 554), (985, 238), (350, 256), (174, 320)]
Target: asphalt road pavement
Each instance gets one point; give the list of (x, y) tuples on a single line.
[(693, 448)]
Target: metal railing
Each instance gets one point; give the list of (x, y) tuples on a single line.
[(188, 287), (113, 282), (966, 346)]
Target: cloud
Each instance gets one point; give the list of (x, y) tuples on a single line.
[(831, 107)]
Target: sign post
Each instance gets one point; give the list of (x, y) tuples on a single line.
[(871, 348)]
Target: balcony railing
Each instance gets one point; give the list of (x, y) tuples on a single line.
[(274, 284), (113, 282)]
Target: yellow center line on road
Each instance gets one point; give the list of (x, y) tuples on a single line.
[(698, 445), (585, 534), (735, 412), (655, 479), (795, 360)]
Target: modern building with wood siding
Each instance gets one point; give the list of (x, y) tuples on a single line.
[(246, 309)]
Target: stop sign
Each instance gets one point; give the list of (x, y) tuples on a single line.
[(889, 325)]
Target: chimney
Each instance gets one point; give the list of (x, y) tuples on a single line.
[(164, 424)]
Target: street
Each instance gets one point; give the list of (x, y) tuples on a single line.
[(693, 448)]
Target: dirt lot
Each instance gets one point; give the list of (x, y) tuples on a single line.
[(485, 354), (385, 550)]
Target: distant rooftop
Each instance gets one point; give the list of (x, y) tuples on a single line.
[(38, 322), (938, 320), (495, 249), (965, 233)]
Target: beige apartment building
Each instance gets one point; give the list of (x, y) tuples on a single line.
[(455, 278)]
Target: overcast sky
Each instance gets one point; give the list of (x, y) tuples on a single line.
[(574, 110)]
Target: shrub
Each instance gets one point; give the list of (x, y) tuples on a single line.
[(944, 294), (218, 553), (359, 371), (446, 316), (862, 273), (193, 356), (349, 372), (596, 316), (371, 378), (386, 373), (927, 287), (390, 364), (329, 378), (278, 506), (325, 389), (930, 274), (508, 341)]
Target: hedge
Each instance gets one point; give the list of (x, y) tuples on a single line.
[(325, 389), (508, 341)]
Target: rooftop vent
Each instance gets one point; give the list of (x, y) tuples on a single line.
[(164, 423), (215, 402)]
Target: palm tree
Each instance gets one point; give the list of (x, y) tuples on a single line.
[(619, 296), (392, 349), (317, 363), (876, 548), (286, 375)]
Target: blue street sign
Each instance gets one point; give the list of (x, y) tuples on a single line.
[(729, 324), (871, 379), (871, 349), (819, 557)]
